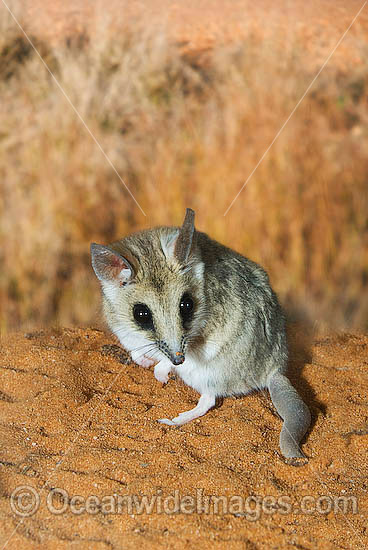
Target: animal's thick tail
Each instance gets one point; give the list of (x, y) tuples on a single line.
[(293, 411)]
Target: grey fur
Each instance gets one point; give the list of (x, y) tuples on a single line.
[(236, 340)]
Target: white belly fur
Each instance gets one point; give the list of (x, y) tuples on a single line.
[(195, 374)]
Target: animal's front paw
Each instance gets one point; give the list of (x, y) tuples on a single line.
[(161, 372), (162, 377), (143, 361)]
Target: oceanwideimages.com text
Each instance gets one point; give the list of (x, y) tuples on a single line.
[(25, 501)]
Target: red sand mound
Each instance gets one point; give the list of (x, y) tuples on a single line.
[(77, 418)]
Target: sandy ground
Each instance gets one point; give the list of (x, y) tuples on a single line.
[(76, 415)]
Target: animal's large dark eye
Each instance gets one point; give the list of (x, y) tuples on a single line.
[(186, 307), (143, 316)]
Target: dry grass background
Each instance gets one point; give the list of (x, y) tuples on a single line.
[(182, 130)]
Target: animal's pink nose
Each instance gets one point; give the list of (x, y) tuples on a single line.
[(179, 358)]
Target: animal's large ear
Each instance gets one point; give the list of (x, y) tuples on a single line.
[(184, 242), (110, 265)]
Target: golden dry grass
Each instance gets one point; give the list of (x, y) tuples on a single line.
[(181, 131)]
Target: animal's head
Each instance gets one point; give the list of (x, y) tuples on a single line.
[(153, 289)]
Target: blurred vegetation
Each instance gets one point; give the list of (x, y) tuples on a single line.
[(182, 130)]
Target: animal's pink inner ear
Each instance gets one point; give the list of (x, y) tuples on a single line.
[(117, 268), (109, 265)]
